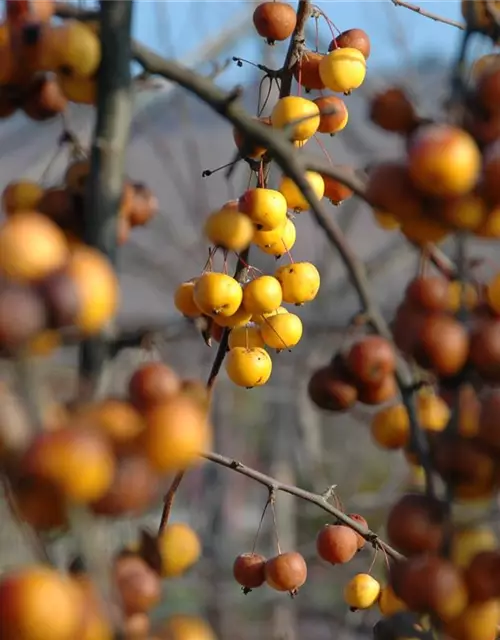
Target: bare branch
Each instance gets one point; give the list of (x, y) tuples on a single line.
[(427, 14), (275, 485), (105, 185)]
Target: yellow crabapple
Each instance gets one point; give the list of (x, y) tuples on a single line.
[(184, 299), (217, 294), (299, 116), (280, 242), (247, 336), (259, 318), (240, 318), (262, 295), (293, 195), (282, 331), (299, 281), (229, 229), (266, 208), (248, 367), (362, 591)]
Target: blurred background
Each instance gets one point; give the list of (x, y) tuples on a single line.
[(274, 429)]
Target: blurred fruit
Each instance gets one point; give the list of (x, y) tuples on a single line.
[(443, 345), (180, 548), (43, 98), (78, 90), (53, 456), (378, 393), (98, 288), (389, 603), (332, 390), (39, 503), (28, 599), (229, 229), (75, 49), (251, 150), (184, 299), (143, 206), (335, 191), (444, 161), (177, 432), (152, 384), (23, 316), (392, 110), (185, 627), (390, 427), (478, 621), (31, 247), (415, 524), (21, 195), (371, 359), (138, 586)]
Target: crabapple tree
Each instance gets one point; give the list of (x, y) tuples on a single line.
[(431, 372)]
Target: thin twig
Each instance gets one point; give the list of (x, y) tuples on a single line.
[(427, 14), (169, 500), (274, 485)]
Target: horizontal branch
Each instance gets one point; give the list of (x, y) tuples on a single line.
[(272, 484), (428, 14)]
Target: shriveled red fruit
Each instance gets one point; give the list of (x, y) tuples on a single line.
[(286, 572), (443, 345), (249, 570), (393, 111), (429, 584), (429, 293), (482, 576), (355, 38), (306, 71), (336, 543), (484, 352), (330, 391), (274, 21), (378, 393), (151, 384), (371, 359), (415, 524), (362, 521), (335, 191), (489, 423)]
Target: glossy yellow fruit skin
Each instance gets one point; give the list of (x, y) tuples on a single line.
[(293, 195), (217, 294), (248, 367), (294, 109), (184, 299), (238, 319), (343, 69), (262, 295), (300, 282), (282, 331), (259, 318), (389, 603), (180, 549), (266, 208), (229, 229), (362, 591), (278, 244), (248, 336)]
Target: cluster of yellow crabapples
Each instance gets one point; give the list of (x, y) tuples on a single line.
[(110, 457), (45, 64)]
